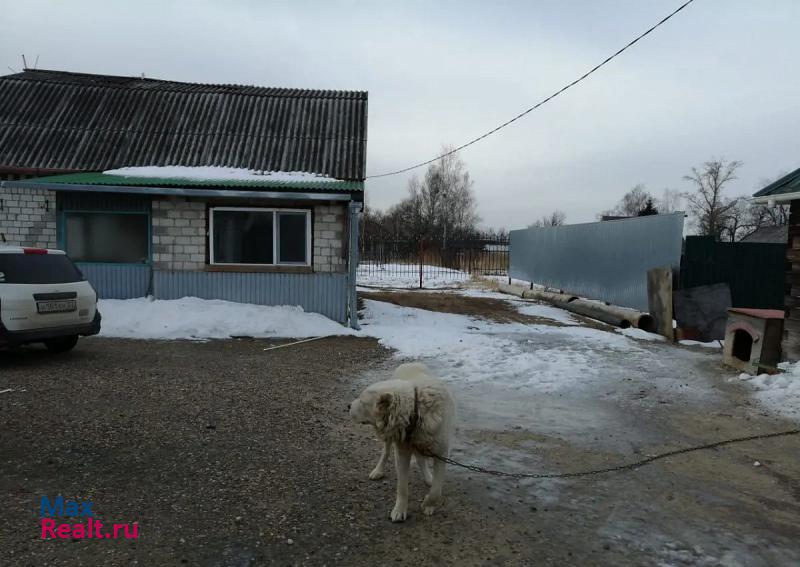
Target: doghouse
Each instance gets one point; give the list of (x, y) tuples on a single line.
[(753, 339)]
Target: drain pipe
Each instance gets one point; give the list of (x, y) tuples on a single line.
[(354, 208)]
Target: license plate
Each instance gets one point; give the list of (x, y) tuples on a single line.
[(57, 306)]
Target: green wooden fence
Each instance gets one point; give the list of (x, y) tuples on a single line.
[(755, 272)]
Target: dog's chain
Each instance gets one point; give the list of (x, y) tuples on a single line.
[(624, 467)]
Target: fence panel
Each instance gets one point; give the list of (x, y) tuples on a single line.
[(754, 271), (117, 281), (409, 264), (600, 260)]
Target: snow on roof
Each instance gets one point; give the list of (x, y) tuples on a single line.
[(215, 173)]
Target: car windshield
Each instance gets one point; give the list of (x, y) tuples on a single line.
[(37, 269)]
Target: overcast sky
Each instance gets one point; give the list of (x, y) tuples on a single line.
[(719, 79)]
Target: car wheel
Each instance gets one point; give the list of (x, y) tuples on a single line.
[(61, 345)]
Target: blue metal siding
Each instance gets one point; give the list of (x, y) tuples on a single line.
[(117, 281), (602, 260), (319, 293)]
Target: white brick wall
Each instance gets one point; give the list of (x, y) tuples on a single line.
[(329, 238), (179, 234), (28, 217)]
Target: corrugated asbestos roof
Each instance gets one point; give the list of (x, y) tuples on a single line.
[(769, 234), (787, 184), (82, 122), (128, 181)]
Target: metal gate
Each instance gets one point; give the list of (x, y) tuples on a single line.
[(417, 264)]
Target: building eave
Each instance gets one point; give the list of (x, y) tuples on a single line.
[(186, 192), (779, 198)]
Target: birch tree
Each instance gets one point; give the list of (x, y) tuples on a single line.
[(707, 204)]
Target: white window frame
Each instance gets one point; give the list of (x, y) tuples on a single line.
[(275, 235)]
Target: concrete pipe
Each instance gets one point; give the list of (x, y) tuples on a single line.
[(612, 314), (548, 296), (511, 289)]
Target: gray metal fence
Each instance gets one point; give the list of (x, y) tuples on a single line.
[(600, 260)]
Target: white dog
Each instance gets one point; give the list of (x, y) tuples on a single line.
[(414, 412)]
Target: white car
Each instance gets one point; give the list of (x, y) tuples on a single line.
[(44, 298)]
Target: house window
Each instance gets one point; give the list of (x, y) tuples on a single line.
[(107, 237), (258, 236)]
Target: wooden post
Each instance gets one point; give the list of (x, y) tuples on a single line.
[(659, 300), (421, 250)]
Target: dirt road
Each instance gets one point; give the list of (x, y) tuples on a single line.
[(227, 455), (224, 455)]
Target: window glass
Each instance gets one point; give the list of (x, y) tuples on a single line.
[(103, 237), (37, 269), (292, 235), (243, 237)]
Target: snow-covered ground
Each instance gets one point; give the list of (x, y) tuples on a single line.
[(193, 318), (635, 333), (540, 357), (548, 312), (711, 344), (483, 359), (406, 276), (778, 391)]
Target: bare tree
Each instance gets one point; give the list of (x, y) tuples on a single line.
[(445, 198), (491, 233), (632, 202), (764, 215), (707, 204), (556, 218), (671, 201), (439, 207), (737, 222)]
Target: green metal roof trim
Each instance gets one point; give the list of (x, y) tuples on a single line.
[(787, 184), (125, 181)]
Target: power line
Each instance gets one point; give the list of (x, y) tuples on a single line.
[(540, 103)]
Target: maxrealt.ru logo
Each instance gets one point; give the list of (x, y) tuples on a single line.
[(88, 528)]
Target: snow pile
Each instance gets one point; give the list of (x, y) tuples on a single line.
[(407, 276), (640, 334), (194, 318), (781, 392), (206, 173), (712, 344)]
